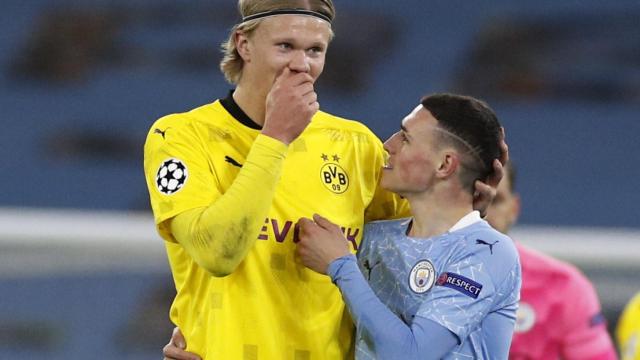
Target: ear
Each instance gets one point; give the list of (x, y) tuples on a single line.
[(242, 45), (449, 163)]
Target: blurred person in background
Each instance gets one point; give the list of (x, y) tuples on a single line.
[(228, 181), (559, 316), (442, 284), (628, 330)]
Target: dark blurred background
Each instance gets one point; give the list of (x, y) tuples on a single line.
[(82, 81)]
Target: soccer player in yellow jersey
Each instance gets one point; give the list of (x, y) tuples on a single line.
[(628, 330), (229, 180)]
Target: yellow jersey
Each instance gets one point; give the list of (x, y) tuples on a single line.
[(628, 330), (271, 306)]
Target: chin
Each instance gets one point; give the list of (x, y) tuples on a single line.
[(389, 187), (384, 182)]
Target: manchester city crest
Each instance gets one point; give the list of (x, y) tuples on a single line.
[(525, 318), (422, 276)]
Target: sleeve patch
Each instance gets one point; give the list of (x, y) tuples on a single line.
[(171, 176), (597, 319), (460, 283)]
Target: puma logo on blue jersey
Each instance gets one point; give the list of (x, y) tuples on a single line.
[(490, 245)]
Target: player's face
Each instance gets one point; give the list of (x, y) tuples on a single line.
[(412, 159), (295, 41), (505, 208)]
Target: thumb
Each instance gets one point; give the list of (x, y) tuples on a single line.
[(324, 222), (178, 338), (282, 74)]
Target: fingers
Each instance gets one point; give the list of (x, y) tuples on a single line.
[(293, 78), (498, 173), (324, 222), (175, 349), (493, 180), (305, 222), (171, 352), (178, 339), (305, 227), (290, 105), (504, 148), (483, 198), (310, 97), (281, 75)]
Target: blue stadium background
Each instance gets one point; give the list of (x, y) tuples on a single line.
[(82, 81)]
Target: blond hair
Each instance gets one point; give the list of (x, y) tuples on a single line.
[(232, 63)]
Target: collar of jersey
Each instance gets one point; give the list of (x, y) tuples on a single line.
[(469, 219), (232, 108)]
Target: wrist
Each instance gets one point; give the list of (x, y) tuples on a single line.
[(333, 270), (279, 137)]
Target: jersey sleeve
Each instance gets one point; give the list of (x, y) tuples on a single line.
[(586, 332), (463, 296), (628, 330), (170, 143), (392, 338)]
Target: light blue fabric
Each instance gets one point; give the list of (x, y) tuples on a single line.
[(393, 338), (467, 281)]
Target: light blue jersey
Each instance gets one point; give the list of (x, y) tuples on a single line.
[(467, 280)]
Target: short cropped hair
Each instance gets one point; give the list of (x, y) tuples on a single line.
[(472, 127), (232, 64)]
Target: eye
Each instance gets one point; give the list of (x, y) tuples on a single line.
[(404, 138), (316, 50), (285, 46)]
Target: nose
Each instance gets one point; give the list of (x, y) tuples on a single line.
[(300, 62), (389, 144)]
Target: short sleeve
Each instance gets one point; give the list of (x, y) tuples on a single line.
[(586, 331), (628, 330), (461, 298), (177, 171)]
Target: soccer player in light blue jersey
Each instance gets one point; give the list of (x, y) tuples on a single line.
[(443, 283)]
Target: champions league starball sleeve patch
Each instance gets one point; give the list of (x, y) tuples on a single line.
[(460, 283), (171, 176)]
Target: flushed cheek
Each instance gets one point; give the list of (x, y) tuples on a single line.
[(413, 171), (316, 68)]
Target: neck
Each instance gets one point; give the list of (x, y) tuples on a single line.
[(435, 212), (251, 101)]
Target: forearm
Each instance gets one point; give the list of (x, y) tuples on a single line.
[(393, 338), (219, 236)]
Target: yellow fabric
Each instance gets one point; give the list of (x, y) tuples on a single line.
[(628, 330), (219, 243), (270, 307)]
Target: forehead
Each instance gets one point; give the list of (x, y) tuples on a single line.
[(419, 120), (301, 27)]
